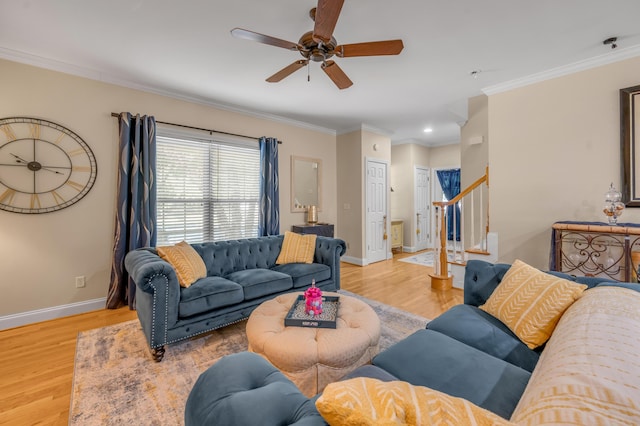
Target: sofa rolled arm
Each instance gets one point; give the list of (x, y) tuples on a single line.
[(328, 252), (143, 264), (245, 389), (158, 296)]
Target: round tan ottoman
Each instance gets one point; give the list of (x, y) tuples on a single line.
[(314, 357)]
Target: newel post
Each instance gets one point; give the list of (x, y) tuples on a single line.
[(441, 280)]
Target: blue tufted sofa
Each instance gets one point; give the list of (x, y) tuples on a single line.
[(465, 352), (241, 274)]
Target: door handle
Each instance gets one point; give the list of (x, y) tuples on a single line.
[(384, 235)]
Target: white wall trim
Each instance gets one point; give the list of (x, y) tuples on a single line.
[(30, 317), (608, 58), (354, 260), (365, 128), (79, 71)]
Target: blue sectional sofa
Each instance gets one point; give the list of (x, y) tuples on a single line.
[(465, 353), (241, 274)]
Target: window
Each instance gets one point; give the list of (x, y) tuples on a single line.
[(207, 189)]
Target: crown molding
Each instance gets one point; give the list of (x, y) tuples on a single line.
[(376, 130), (426, 144), (91, 74), (365, 128), (608, 58)]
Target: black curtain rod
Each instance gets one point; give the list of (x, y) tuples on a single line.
[(115, 114)]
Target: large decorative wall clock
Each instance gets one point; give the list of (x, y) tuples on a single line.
[(44, 167)]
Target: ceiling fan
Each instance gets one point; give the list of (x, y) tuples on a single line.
[(319, 45)]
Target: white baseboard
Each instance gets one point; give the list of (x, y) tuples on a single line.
[(406, 249), (354, 260), (24, 318)]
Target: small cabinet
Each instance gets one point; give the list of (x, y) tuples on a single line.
[(596, 249), (397, 232), (323, 229)]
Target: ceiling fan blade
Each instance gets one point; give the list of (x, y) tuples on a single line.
[(336, 75), (372, 48), (327, 13), (264, 39), (288, 70)]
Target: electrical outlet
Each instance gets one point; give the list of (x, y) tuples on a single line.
[(80, 281)]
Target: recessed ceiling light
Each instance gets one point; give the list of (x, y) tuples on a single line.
[(428, 130)]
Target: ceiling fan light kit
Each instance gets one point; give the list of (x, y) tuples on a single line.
[(319, 45)]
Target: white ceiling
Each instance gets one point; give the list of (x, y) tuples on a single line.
[(185, 49)]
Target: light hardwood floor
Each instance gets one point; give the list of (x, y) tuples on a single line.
[(36, 361)]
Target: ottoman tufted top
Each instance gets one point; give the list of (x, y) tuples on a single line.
[(301, 352)]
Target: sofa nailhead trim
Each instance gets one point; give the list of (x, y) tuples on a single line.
[(205, 331), (166, 307), (166, 324)]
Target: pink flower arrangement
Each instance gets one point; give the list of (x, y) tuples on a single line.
[(313, 300)]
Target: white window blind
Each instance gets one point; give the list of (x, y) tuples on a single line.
[(207, 190)]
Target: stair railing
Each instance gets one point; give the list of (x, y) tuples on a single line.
[(474, 197)]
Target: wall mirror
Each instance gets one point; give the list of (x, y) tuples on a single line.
[(306, 186), (630, 141)]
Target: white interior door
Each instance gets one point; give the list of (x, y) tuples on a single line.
[(423, 208), (376, 215)]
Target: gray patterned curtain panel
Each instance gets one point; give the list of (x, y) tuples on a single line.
[(135, 219), (269, 188)]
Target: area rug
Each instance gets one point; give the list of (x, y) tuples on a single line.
[(116, 382), (424, 259)]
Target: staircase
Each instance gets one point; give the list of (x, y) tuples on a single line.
[(452, 255)]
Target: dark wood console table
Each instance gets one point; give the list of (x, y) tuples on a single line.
[(323, 229), (596, 249)]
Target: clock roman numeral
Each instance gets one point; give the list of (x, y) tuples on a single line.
[(35, 201), (8, 131), (59, 139), (7, 196), (34, 131), (81, 169), (57, 198), (76, 152), (75, 185)]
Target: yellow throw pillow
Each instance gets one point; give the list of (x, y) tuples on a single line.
[(530, 302), (297, 248), (186, 261), (365, 401)]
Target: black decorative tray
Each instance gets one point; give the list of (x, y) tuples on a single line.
[(297, 317)]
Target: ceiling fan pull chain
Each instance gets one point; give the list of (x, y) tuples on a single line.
[(308, 73)]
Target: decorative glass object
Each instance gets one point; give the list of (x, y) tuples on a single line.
[(313, 300), (613, 206)]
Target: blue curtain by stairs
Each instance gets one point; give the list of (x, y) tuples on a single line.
[(450, 183), (135, 222), (269, 223)]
